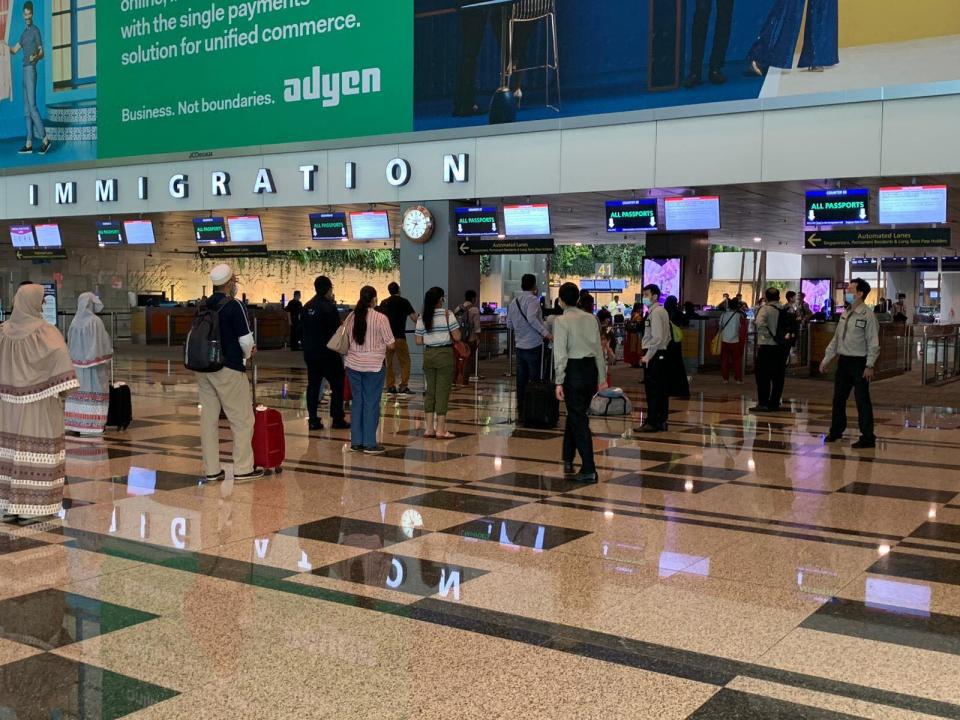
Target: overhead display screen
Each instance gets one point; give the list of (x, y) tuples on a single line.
[(48, 235), (138, 232), (664, 273), (951, 263), (849, 206), (526, 220), (913, 205), (209, 230), (863, 265), (925, 263), (894, 263), (21, 236), (373, 225), (109, 232), (477, 222), (626, 216), (328, 226), (245, 229), (693, 213)]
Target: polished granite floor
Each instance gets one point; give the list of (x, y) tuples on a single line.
[(734, 568)]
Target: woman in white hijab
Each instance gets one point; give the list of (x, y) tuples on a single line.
[(35, 371), (91, 352)]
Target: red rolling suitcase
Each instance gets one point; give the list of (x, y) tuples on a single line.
[(269, 442)]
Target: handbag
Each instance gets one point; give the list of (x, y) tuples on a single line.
[(340, 342), (460, 348), (677, 333)]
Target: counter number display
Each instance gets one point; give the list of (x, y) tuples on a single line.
[(849, 206), (209, 230), (627, 216), (328, 226), (476, 222), (109, 232)]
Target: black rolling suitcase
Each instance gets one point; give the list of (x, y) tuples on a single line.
[(541, 409), (120, 411)]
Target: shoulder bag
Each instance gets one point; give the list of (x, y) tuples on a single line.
[(340, 342), (460, 348)]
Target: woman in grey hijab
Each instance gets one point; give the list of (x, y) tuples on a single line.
[(35, 370), (91, 352)]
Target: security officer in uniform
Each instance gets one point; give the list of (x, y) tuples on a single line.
[(657, 334), (856, 344)]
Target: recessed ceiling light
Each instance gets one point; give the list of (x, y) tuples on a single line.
[(758, 239)]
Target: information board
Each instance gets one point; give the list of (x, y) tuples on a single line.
[(626, 216), (526, 220), (48, 235), (245, 229), (913, 205), (209, 230), (21, 236), (693, 213), (138, 232), (476, 222), (862, 265), (850, 206), (328, 226), (109, 232), (373, 225)]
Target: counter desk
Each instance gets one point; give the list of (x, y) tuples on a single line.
[(170, 325)]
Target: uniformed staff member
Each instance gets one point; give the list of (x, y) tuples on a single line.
[(857, 345), (657, 335)]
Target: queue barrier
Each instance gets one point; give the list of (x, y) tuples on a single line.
[(939, 353)]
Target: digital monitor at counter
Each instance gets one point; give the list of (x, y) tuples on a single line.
[(816, 292), (48, 235), (665, 273), (692, 213), (138, 232), (850, 206), (862, 265), (109, 232), (912, 205), (209, 230), (328, 226), (372, 225), (894, 263), (245, 229), (950, 264), (626, 216), (21, 236), (925, 263), (476, 222), (526, 220)]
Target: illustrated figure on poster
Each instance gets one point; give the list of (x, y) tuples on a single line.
[(698, 41), (30, 45), (775, 45)]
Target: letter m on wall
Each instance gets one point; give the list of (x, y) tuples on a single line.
[(107, 190), (65, 193)]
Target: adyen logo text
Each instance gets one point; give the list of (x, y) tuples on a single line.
[(331, 87)]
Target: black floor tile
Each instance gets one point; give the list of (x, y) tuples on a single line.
[(944, 532), (532, 481), (515, 532), (911, 626), (50, 686), (422, 455), (521, 434), (51, 618), (693, 471), (735, 705), (180, 441), (918, 567), (11, 544), (352, 532), (463, 502), (403, 574), (635, 453), (659, 482), (82, 453), (899, 492)]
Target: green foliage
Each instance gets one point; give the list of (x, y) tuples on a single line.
[(486, 265), (574, 261), (378, 261)]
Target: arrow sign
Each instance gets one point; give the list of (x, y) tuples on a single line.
[(908, 238), (227, 252), (41, 254), (506, 246)]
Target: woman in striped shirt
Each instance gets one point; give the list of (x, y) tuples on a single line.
[(437, 330), (370, 338)]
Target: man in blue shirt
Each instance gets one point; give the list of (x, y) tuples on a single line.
[(525, 318), (31, 45)]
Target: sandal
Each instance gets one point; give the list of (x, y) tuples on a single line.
[(429, 434), (446, 436)]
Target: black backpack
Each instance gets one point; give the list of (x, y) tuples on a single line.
[(787, 328), (462, 315), (203, 351)]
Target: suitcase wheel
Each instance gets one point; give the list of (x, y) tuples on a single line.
[(277, 470)]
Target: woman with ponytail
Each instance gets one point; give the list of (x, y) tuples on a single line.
[(370, 338), (437, 330)]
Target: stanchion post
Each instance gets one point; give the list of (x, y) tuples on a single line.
[(169, 330), (509, 353)]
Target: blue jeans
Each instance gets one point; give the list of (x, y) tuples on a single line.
[(367, 389), (30, 112), (529, 368)]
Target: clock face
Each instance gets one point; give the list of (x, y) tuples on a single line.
[(417, 224)]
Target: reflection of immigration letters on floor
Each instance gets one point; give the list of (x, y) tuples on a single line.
[(873, 66)]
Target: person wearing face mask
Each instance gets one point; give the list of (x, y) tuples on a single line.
[(91, 352), (856, 345), (228, 388), (657, 335)]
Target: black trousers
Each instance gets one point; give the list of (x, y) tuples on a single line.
[(721, 34), (325, 365), (473, 26), (579, 386), (771, 374), (296, 335), (656, 382), (850, 377)]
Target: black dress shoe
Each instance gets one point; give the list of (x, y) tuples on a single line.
[(589, 477), (832, 437), (340, 425), (568, 469), (717, 77), (648, 428), (864, 444), (315, 425), (691, 81), (759, 409)]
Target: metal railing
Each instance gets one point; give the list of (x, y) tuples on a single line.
[(117, 323), (939, 353)]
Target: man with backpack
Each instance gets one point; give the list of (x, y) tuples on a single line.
[(468, 315), (218, 346), (776, 328), (525, 319)]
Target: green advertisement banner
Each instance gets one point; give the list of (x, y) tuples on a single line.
[(180, 77)]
